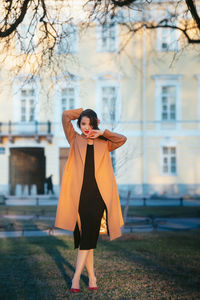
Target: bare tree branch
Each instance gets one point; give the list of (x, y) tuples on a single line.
[(192, 8), (46, 19), (6, 32), (121, 3)]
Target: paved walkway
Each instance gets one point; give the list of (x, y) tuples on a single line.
[(27, 217), (177, 223), (53, 201), (28, 233), (31, 202), (164, 223), (137, 224)]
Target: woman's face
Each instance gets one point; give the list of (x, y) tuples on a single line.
[(85, 125)]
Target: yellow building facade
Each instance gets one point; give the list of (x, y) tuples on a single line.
[(148, 90)]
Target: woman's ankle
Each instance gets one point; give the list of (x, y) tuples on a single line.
[(92, 277), (76, 276)]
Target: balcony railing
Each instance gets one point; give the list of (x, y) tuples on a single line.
[(34, 129)]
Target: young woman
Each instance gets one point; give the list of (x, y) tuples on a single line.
[(88, 188)]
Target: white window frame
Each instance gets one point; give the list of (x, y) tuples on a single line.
[(100, 48), (20, 83), (165, 80), (168, 104), (29, 107), (24, 40), (107, 80), (168, 143), (170, 32), (67, 106), (60, 82), (111, 93), (69, 50)]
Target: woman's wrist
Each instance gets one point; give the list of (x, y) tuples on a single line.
[(101, 132)]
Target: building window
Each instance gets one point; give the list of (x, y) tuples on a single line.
[(27, 100), (108, 37), (169, 160), (113, 159), (68, 40), (108, 101), (26, 38), (108, 97), (68, 98), (168, 103), (167, 39)]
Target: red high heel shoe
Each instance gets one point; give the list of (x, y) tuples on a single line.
[(93, 288), (72, 290)]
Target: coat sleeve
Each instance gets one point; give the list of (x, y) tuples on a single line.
[(67, 116), (115, 140)]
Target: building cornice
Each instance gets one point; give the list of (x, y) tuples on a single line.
[(66, 76), (166, 76), (107, 76)]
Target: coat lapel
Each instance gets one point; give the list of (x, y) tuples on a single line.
[(99, 149), (82, 147)]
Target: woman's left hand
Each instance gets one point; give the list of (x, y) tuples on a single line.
[(94, 133)]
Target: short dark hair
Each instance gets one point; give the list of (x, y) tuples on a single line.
[(91, 114)]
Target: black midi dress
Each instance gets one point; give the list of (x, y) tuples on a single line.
[(91, 207)]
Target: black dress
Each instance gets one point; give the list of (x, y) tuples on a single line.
[(91, 207)]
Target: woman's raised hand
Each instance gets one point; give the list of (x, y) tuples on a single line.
[(94, 133)]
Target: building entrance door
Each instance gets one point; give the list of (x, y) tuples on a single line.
[(27, 171)]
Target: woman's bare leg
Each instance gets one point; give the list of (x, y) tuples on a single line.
[(90, 268), (80, 263)]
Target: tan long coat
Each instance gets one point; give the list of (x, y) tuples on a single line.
[(68, 203)]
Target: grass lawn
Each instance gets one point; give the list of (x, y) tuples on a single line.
[(159, 265)]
